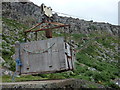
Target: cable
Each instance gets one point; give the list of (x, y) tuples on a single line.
[(66, 14), (39, 52)]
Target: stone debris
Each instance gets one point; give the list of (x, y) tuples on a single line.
[(5, 71)]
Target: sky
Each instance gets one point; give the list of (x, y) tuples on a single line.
[(96, 10)]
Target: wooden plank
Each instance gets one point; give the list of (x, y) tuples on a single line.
[(73, 58), (70, 63), (66, 62)]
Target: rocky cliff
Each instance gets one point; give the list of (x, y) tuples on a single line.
[(30, 14)]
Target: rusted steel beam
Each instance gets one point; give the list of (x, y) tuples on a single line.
[(44, 26), (55, 23), (48, 28), (48, 31), (33, 27)]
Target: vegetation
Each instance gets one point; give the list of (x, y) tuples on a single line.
[(21, 78), (97, 61)]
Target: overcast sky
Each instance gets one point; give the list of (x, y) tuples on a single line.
[(96, 10)]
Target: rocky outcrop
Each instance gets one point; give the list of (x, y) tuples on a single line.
[(82, 26), (2, 60), (30, 14), (27, 13), (4, 70)]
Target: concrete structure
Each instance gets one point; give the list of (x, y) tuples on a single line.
[(44, 56)]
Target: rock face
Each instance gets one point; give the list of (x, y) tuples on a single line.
[(27, 13), (30, 14), (2, 60), (4, 70)]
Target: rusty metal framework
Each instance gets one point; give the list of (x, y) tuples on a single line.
[(47, 30)]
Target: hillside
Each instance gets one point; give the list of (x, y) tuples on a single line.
[(97, 44)]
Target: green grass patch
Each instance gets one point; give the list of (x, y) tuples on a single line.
[(13, 23), (21, 78)]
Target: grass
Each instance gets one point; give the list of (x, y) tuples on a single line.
[(21, 78), (105, 72), (7, 49), (13, 23)]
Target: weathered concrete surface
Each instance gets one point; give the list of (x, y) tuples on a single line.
[(66, 83)]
